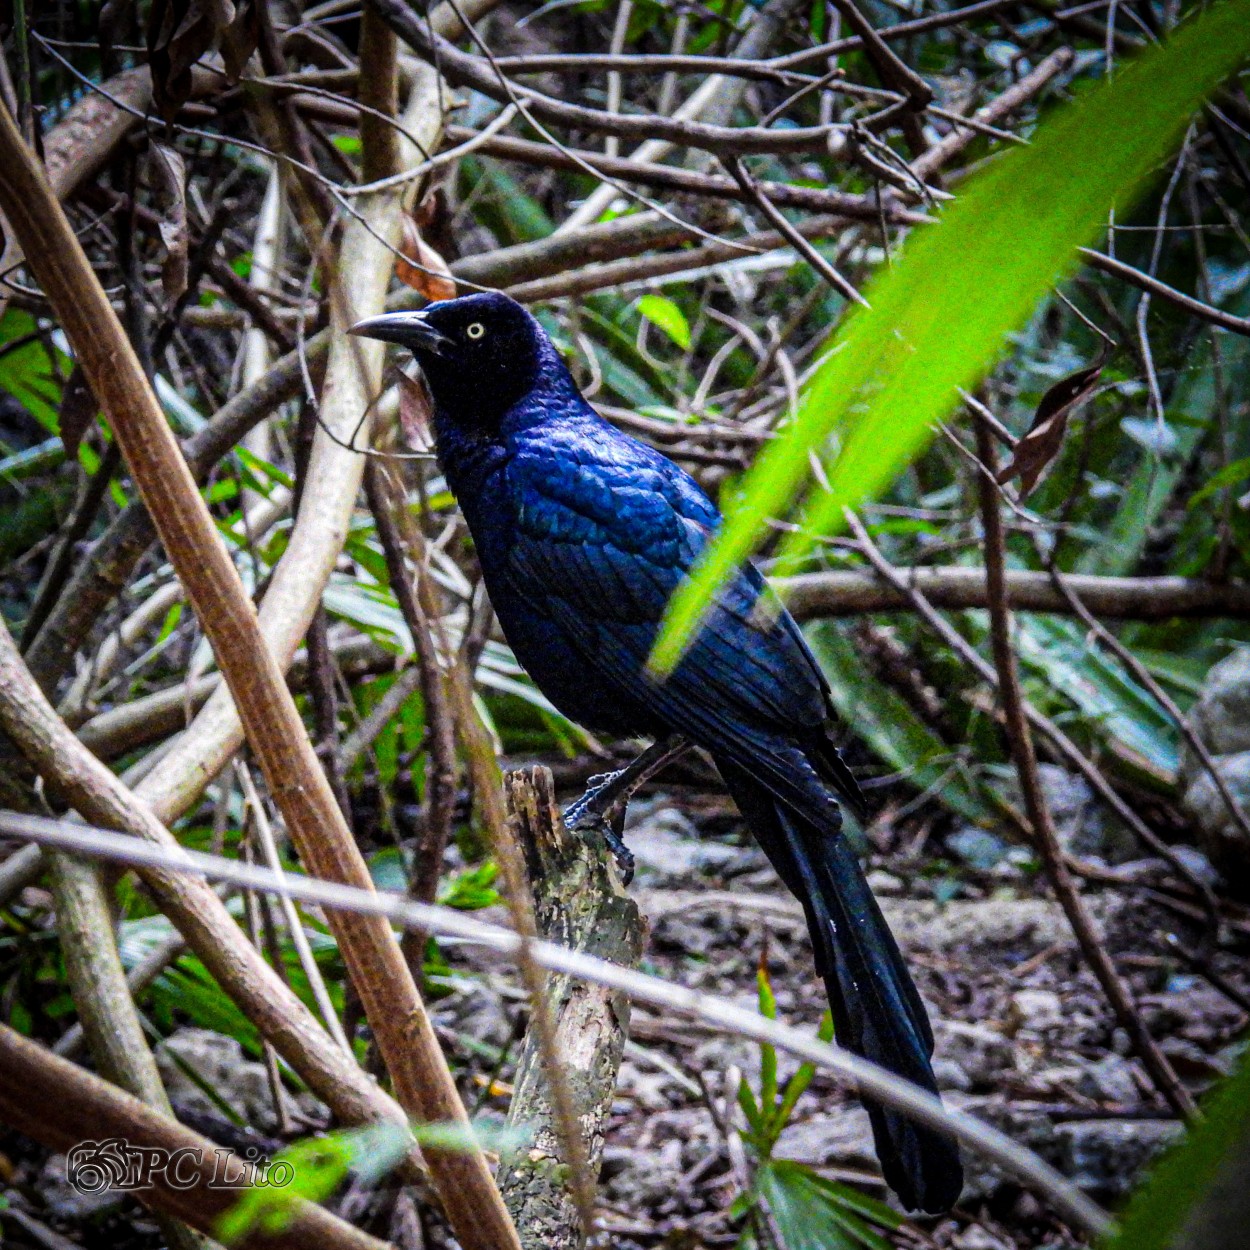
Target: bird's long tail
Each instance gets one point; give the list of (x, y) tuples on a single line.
[(877, 1012)]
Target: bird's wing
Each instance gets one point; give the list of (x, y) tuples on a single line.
[(600, 546)]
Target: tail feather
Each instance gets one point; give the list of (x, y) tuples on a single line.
[(877, 1011)]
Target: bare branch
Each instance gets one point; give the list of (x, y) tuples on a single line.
[(721, 1015), (56, 1103), (464, 70), (276, 733), (849, 593), (1045, 837), (1152, 286)]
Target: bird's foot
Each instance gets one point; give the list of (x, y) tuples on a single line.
[(620, 852), (603, 805), (602, 810), (592, 809)]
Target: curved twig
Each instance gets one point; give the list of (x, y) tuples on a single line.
[(723, 1016)]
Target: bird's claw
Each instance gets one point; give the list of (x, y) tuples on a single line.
[(620, 852), (590, 811), (600, 809)]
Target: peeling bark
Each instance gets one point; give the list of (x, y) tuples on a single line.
[(580, 903)]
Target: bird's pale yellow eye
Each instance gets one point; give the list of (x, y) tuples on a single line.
[(476, 330)]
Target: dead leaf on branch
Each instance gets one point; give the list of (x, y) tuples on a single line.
[(166, 174), (76, 412), (180, 32), (421, 267), (416, 414), (1036, 451), (240, 39)]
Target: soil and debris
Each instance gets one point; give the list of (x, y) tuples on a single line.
[(1024, 1037)]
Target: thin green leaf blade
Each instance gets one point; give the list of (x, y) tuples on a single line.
[(662, 312), (938, 318)]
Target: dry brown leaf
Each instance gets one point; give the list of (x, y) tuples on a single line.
[(239, 39), (1035, 452), (166, 174), (421, 267), (179, 33), (77, 411), (416, 414)]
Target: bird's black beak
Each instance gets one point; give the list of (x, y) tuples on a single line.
[(408, 329)]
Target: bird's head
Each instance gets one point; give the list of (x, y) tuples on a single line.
[(480, 354)]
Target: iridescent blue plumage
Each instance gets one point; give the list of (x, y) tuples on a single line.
[(583, 534)]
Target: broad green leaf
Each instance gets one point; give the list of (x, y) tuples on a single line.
[(1102, 690), (472, 888), (1184, 1175), (662, 312), (938, 318), (386, 868), (26, 371), (811, 1212)]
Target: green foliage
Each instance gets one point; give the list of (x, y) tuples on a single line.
[(899, 364), (799, 1207), (812, 1212), (27, 371), (664, 313), (33, 517), (1184, 1175), (509, 210), (895, 733), (472, 888), (188, 993), (313, 1169)]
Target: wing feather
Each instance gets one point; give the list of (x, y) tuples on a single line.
[(600, 552)]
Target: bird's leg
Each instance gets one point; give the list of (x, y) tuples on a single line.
[(603, 805), (608, 793)]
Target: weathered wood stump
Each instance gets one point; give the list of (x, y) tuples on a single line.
[(580, 903)]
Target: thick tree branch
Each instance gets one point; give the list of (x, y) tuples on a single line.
[(276, 733), (56, 1103), (97, 981), (578, 903), (849, 593)]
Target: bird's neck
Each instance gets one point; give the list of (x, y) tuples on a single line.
[(469, 457), (473, 451), (553, 396)]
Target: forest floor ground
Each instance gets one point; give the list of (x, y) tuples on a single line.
[(1024, 1039)]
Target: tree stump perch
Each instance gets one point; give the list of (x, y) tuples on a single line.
[(579, 902)]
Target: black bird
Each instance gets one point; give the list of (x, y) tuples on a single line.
[(583, 534)]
